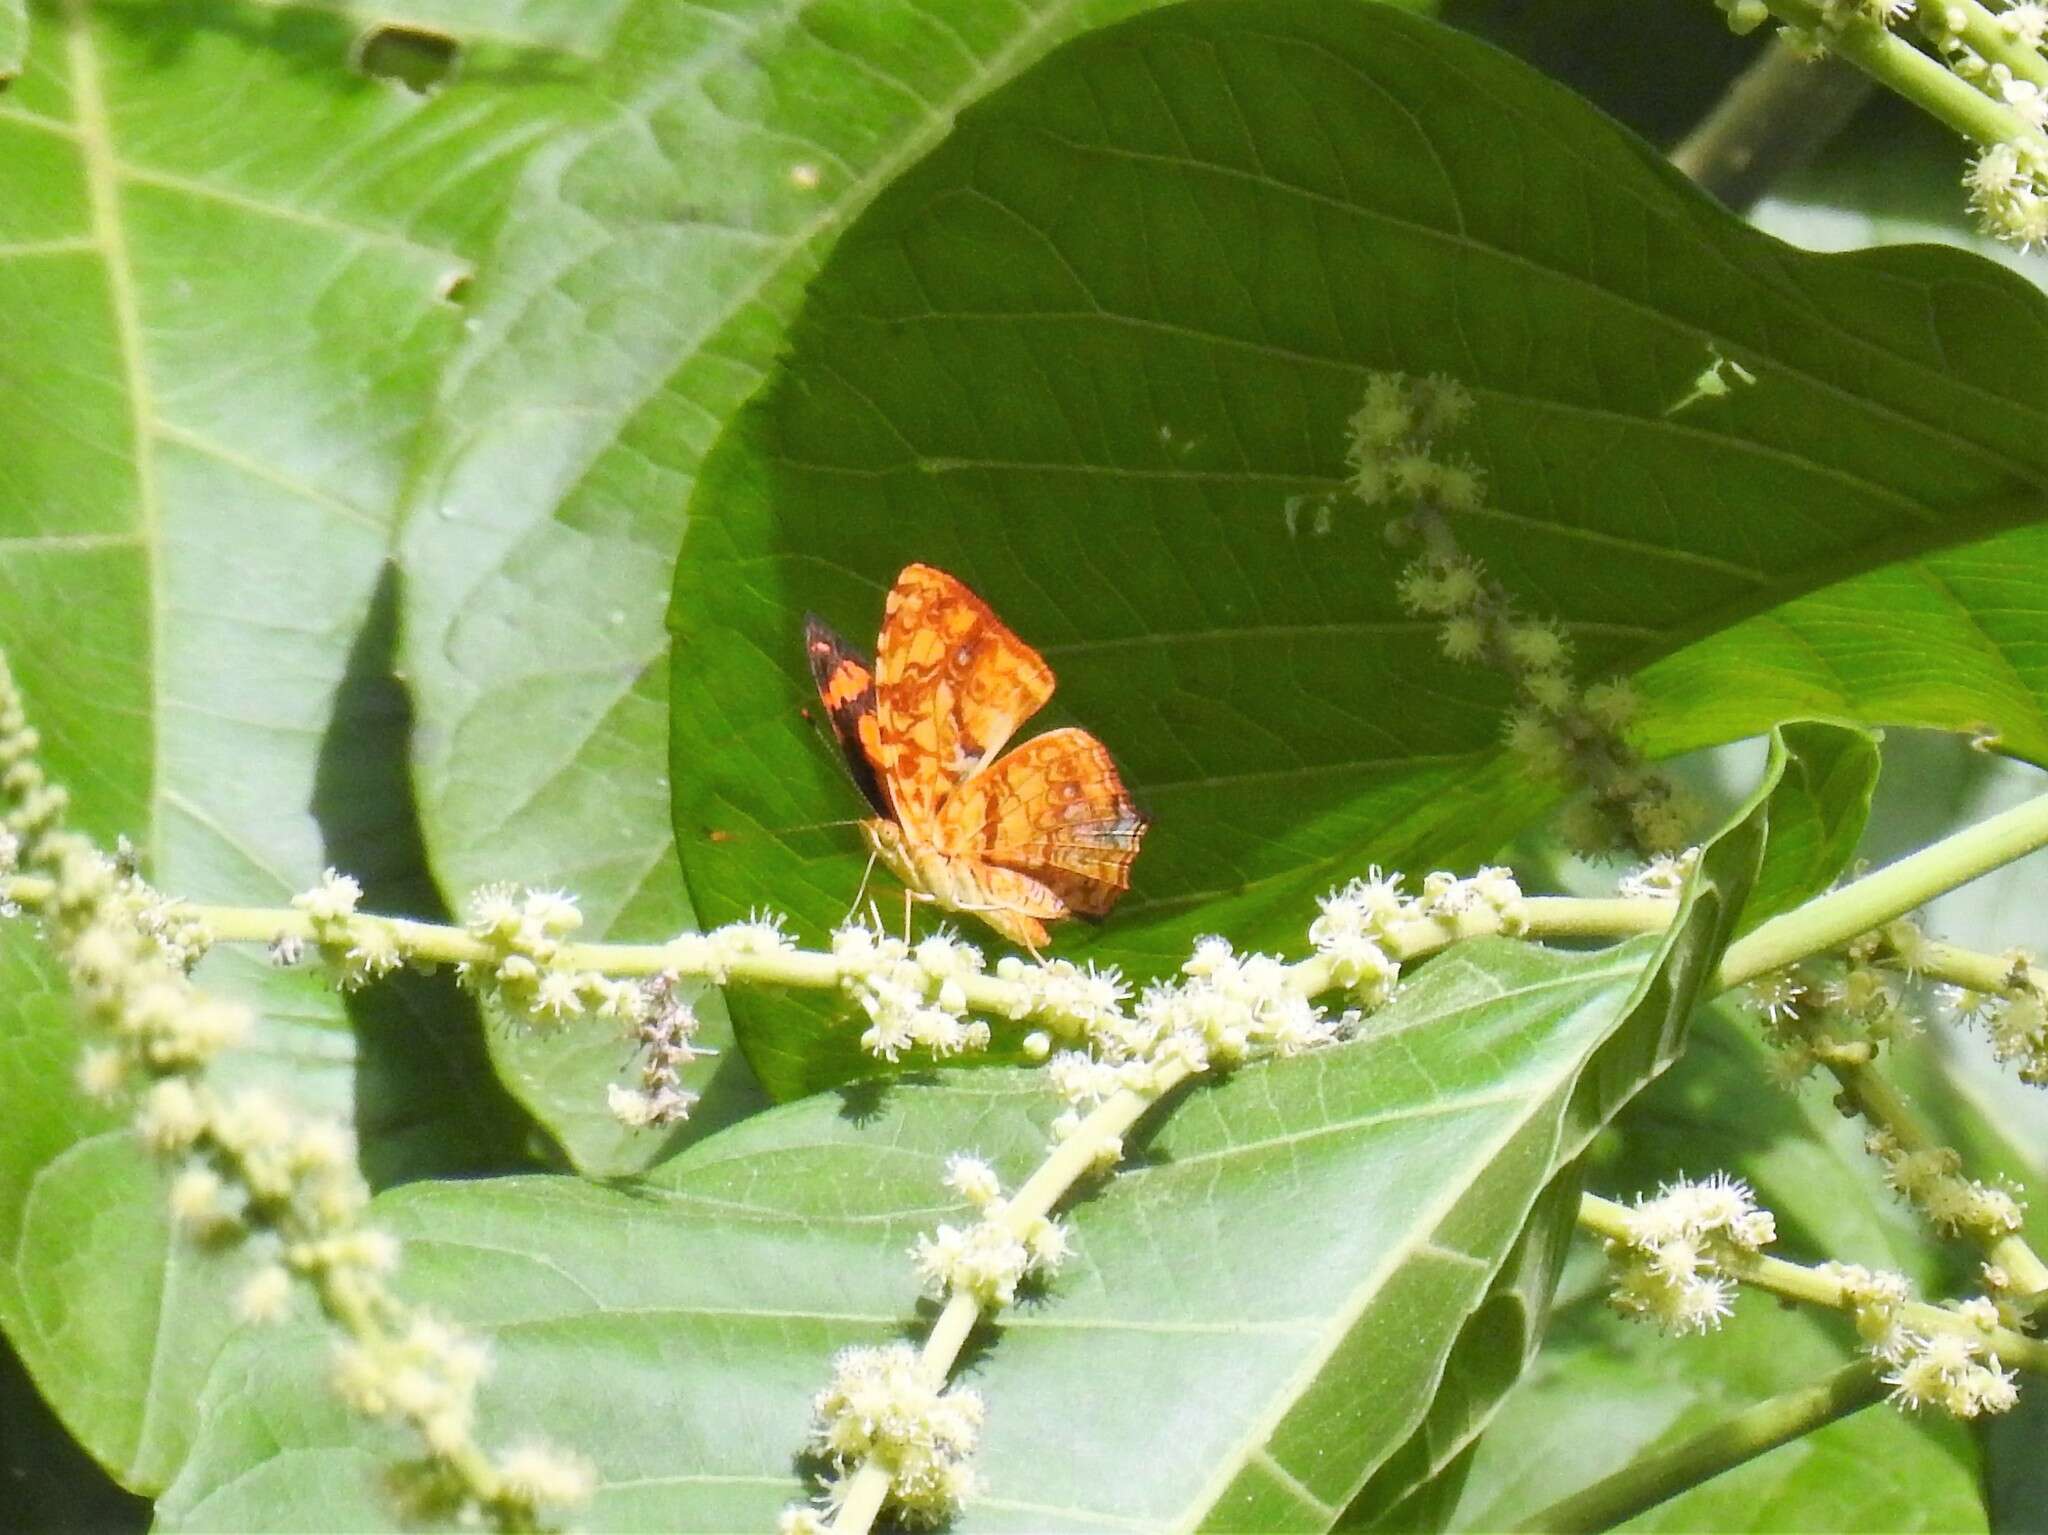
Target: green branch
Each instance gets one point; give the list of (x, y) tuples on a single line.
[(1817, 1287), (1924, 81), (1887, 894), (1645, 1483)]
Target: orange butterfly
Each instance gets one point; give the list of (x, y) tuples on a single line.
[(1044, 833)]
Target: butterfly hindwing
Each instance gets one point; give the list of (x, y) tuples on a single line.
[(1055, 809), (1018, 841), (846, 687), (952, 685)]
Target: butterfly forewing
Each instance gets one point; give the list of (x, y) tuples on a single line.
[(846, 687), (952, 685)]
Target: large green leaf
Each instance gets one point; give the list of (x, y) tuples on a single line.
[(225, 272), (1264, 1302), (1974, 661), (636, 298), (1096, 356)]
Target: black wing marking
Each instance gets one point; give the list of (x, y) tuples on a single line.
[(846, 687)]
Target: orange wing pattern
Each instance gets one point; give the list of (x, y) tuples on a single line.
[(1018, 841), (1056, 810), (952, 684)]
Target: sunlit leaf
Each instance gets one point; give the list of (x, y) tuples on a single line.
[(226, 275), (636, 297), (1264, 1302), (1096, 356)]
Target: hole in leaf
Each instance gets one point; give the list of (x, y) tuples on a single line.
[(413, 57)]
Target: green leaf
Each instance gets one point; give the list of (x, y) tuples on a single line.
[(51, 1483), (1818, 813), (1096, 355), (1953, 641), (225, 274), (637, 296), (1283, 1269), (1417, 1487), (13, 38)]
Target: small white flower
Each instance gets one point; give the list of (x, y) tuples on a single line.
[(538, 1476), (559, 995), (972, 1179), (332, 900), (265, 1296)]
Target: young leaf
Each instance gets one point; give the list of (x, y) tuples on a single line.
[(1818, 813), (1097, 353)]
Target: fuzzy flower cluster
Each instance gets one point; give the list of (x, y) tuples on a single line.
[(1951, 1368), (1840, 1009), (1932, 1179), (1683, 1245), (1561, 730), (529, 974), (914, 996), (1359, 921), (990, 1258), (1074, 1002), (359, 952), (2007, 181), (666, 1034), (247, 1169), (880, 1408), (1227, 1008), (1662, 878), (1953, 1371), (2014, 1018)]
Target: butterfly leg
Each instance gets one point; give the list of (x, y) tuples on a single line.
[(865, 875)]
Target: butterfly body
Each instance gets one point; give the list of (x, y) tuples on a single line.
[(1041, 834)]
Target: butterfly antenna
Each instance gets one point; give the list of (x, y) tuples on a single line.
[(715, 834)]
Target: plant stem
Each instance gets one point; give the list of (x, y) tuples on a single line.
[(810, 969), (1816, 1287), (1981, 32), (1888, 893), (1924, 81), (1644, 1483), (1048, 1184), (1870, 1093), (1774, 117)]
